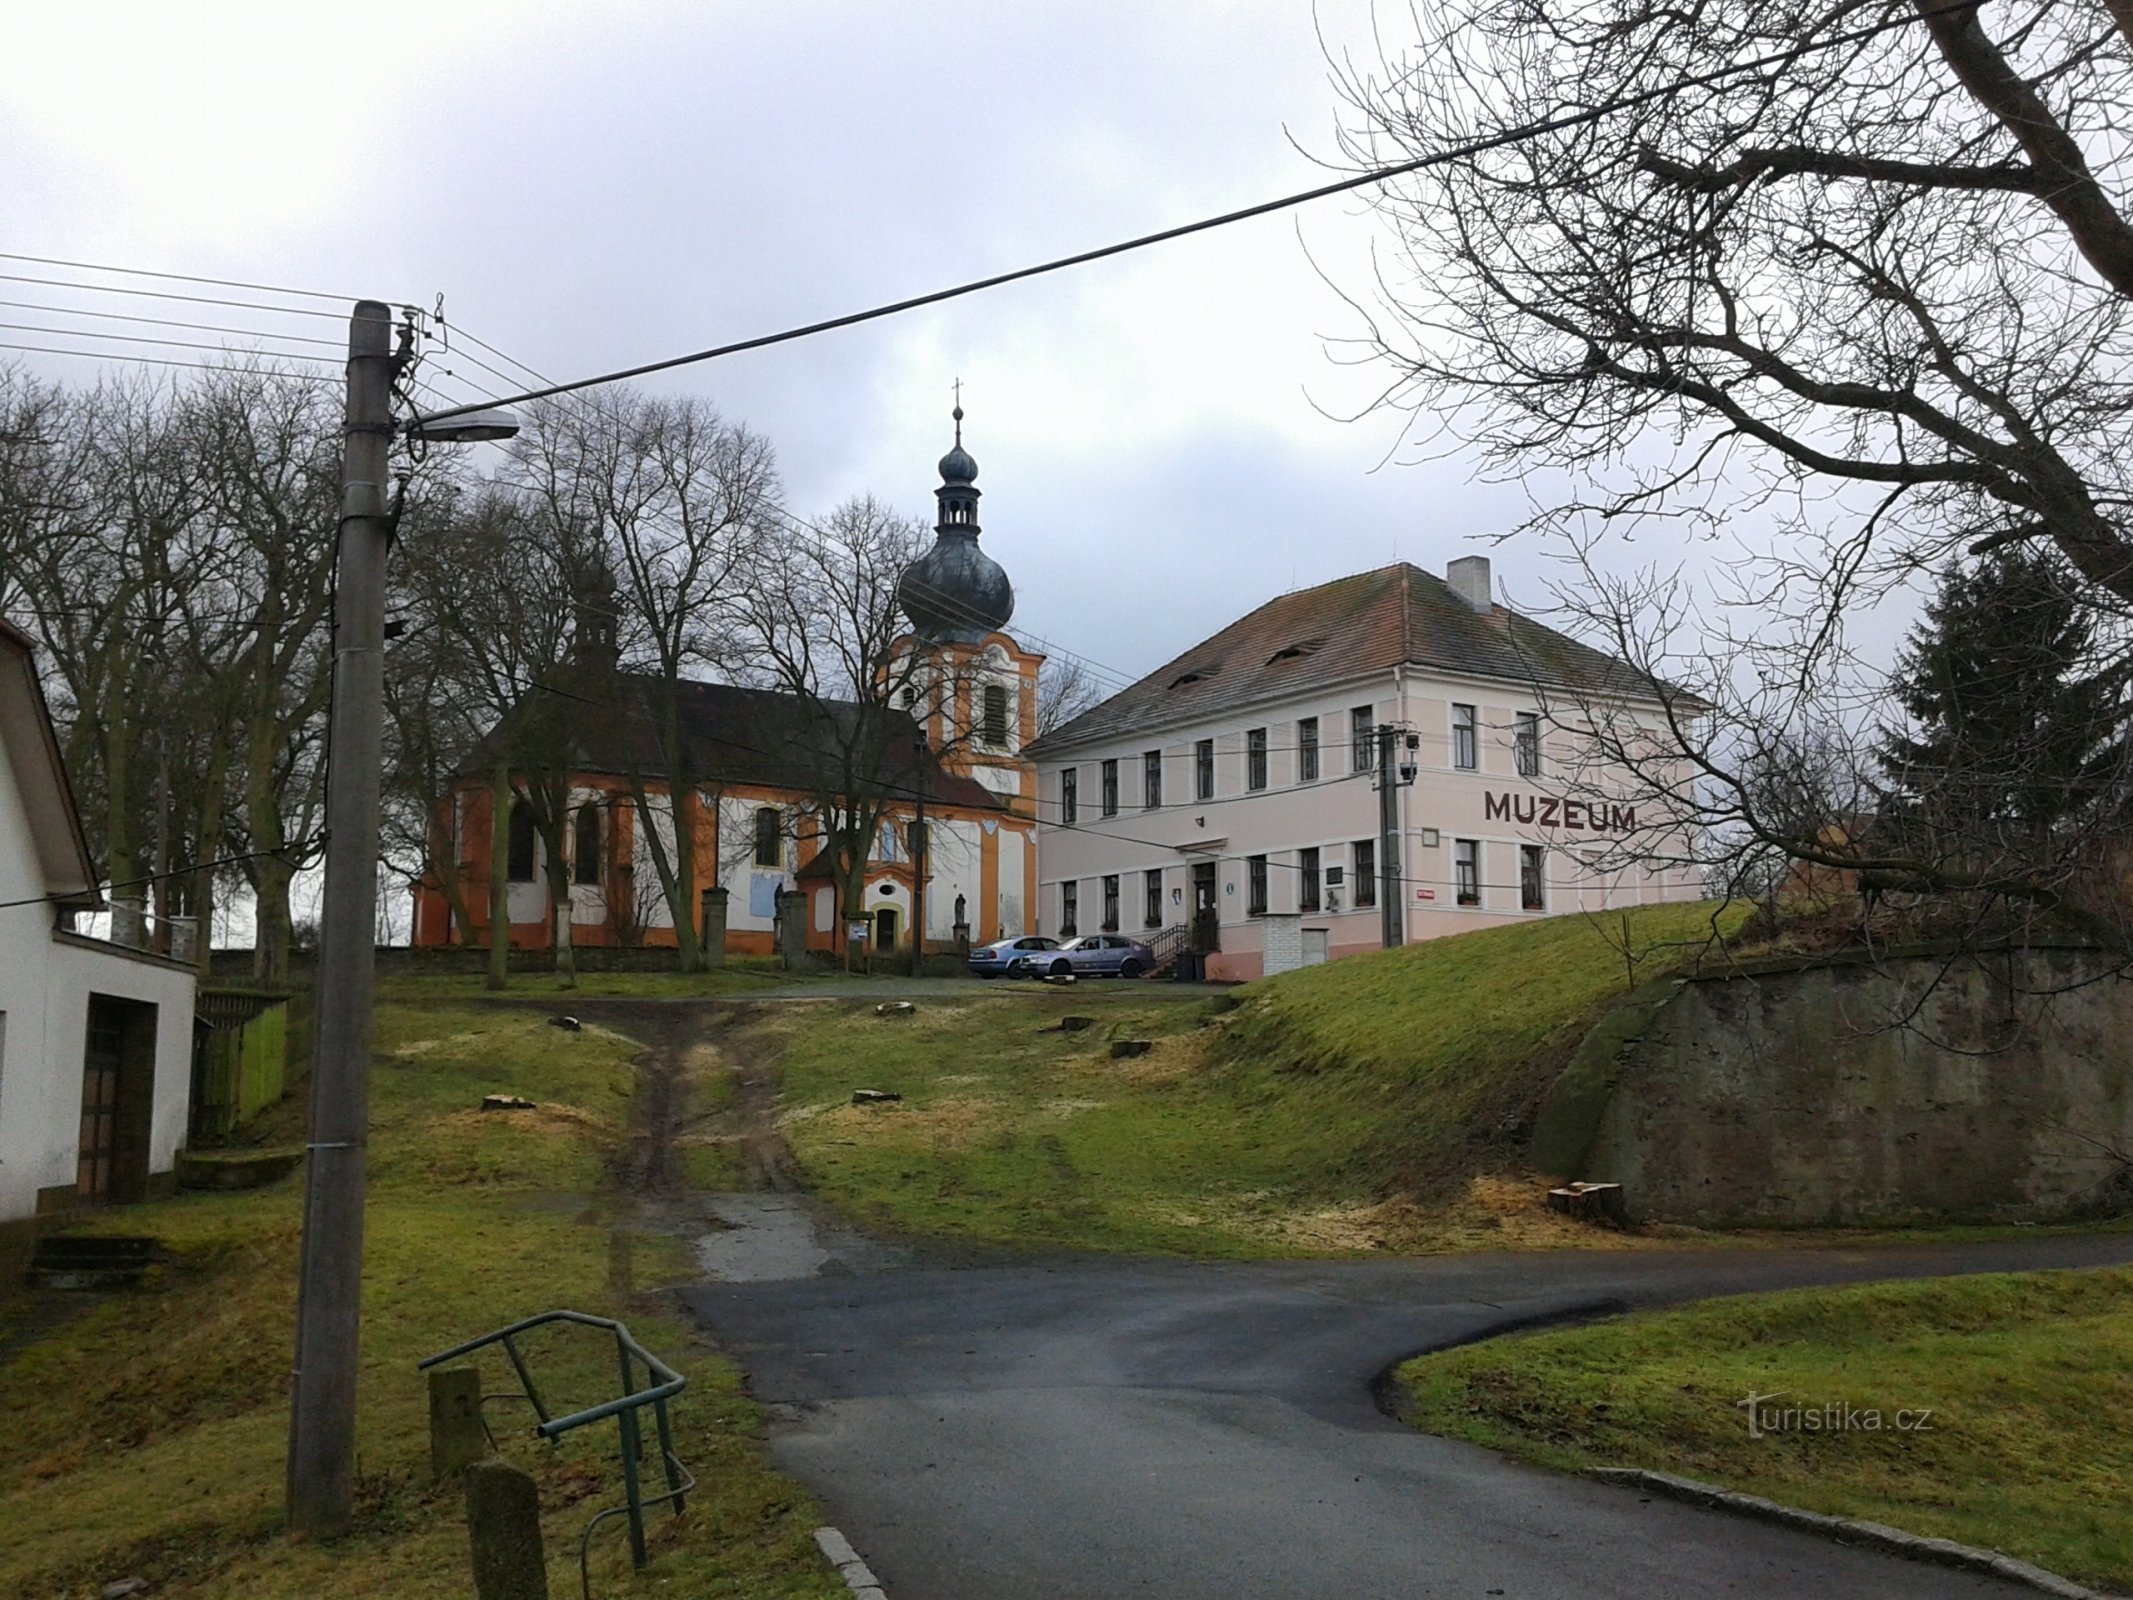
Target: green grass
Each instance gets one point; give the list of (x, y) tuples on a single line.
[(1300, 1115), (737, 974), (2028, 1378), (1399, 1068), (147, 1436)]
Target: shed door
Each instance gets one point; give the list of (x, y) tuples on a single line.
[(1314, 950), (100, 1100)]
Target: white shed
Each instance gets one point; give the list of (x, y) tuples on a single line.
[(95, 1038)]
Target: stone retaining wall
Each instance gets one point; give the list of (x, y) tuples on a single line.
[(1994, 1087)]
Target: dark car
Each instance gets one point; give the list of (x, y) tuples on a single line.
[(993, 960), (1094, 955)]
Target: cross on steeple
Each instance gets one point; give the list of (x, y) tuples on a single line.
[(958, 412)]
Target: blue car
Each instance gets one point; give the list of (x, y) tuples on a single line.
[(994, 960)]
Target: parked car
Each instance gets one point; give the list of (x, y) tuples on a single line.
[(993, 960), (1094, 955)]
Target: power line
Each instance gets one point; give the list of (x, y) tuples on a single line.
[(1107, 677), (140, 338), (165, 294), (152, 361), (183, 277), (1376, 175), (164, 322), (296, 848)]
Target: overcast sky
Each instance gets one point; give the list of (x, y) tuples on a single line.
[(593, 186)]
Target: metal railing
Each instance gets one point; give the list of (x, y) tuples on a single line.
[(1165, 947), (628, 1353)]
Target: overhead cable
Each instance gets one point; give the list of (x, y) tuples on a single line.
[(1376, 175)]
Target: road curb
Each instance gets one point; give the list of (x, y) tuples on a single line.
[(1943, 1552), (857, 1575)]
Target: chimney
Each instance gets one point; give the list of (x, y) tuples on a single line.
[(1469, 578)]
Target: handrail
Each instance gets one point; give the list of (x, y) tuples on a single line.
[(1170, 943), (670, 1382), (628, 1352)]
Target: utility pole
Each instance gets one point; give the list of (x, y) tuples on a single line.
[(919, 850), (1392, 920), (322, 1396)]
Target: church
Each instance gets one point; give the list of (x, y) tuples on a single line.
[(962, 708)]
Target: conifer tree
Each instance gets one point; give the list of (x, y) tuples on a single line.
[(2015, 728)]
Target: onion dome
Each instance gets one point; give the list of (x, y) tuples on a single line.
[(955, 591)]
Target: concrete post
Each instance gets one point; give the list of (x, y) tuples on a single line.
[(322, 1401), (713, 923), (504, 1533), (792, 929), (457, 1438)]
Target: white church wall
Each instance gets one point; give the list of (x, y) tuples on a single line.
[(954, 861), (1014, 918)]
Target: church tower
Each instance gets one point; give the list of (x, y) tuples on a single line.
[(974, 688)]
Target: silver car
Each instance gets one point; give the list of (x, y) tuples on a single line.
[(1094, 955), (996, 960)]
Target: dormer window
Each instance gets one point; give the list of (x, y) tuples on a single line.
[(1295, 652), (1193, 675)]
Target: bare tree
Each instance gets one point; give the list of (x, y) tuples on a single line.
[(1877, 291), (266, 445), (825, 622), (1066, 687), (676, 498), (488, 594)]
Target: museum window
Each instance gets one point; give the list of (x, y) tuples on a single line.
[(1307, 880), (1363, 737), (1255, 759), (1152, 887), (1366, 872), (1152, 779), (1111, 902), (1466, 864), (1107, 788), (1069, 796), (1203, 769), (1069, 909), (1307, 750), (1255, 886), (1532, 884), (1526, 743), (1465, 747)]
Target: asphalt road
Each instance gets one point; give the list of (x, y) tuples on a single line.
[(1091, 1429)]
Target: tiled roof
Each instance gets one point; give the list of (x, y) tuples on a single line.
[(1347, 629), (758, 737)]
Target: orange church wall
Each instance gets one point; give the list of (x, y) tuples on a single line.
[(432, 920)]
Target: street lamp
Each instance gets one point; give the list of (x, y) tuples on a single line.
[(467, 427), (322, 1390)]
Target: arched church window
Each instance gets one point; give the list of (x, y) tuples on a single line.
[(585, 845), (769, 836), (518, 863)]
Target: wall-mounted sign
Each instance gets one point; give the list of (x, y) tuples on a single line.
[(1425, 894), (1553, 811)]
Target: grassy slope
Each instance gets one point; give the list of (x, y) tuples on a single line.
[(2026, 1376), (1403, 1066), (1285, 1123), (147, 1436)]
